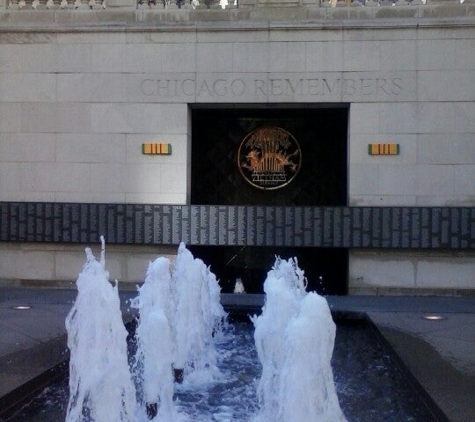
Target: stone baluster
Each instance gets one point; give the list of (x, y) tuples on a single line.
[(39, 4), (82, 4), (53, 4), (13, 5)]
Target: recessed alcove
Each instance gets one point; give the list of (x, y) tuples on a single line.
[(322, 135)]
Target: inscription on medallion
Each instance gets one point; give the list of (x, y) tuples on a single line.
[(269, 158)]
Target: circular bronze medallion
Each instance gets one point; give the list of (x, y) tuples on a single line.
[(269, 158)]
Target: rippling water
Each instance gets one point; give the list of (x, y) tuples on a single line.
[(369, 386)]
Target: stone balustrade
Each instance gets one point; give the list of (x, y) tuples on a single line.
[(210, 4), (55, 4)]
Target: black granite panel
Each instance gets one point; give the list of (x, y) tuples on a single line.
[(332, 227), (279, 226)]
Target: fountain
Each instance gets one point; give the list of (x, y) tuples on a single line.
[(180, 314), (293, 326), (101, 387), (275, 369)]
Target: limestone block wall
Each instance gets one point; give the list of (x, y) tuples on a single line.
[(81, 91), (77, 105)]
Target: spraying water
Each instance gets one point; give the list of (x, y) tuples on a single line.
[(306, 387), (154, 356), (197, 317), (180, 319), (294, 339), (101, 388)]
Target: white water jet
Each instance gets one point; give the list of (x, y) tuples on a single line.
[(306, 386), (154, 356), (197, 317), (101, 387), (284, 289), (294, 339)]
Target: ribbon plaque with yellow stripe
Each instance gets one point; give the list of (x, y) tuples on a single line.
[(383, 149), (156, 149)]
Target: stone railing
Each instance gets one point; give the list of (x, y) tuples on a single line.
[(56, 4), (211, 4)]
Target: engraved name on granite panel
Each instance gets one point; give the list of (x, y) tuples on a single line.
[(337, 227), (84, 212), (455, 223), (346, 241), (4, 222), (279, 226), (405, 227), (213, 212), (147, 225), (185, 224), (465, 228), (396, 227), (472, 227), (30, 222), (250, 226), (298, 226), (367, 226), (435, 227), (327, 226), (166, 225), (241, 225), (90, 223), (194, 225), (120, 223), (57, 222), (318, 226), (289, 232), (176, 224), (307, 216), (102, 220), (22, 221), (415, 228), (40, 222), (269, 226), (157, 224), (66, 223), (425, 228), (222, 226), (204, 225), (260, 226), (13, 222), (231, 227), (386, 227), (356, 230), (445, 227), (75, 222), (376, 230)]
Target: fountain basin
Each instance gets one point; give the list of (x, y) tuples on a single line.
[(370, 384)]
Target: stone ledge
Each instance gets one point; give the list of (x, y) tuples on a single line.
[(403, 291), (129, 17)]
